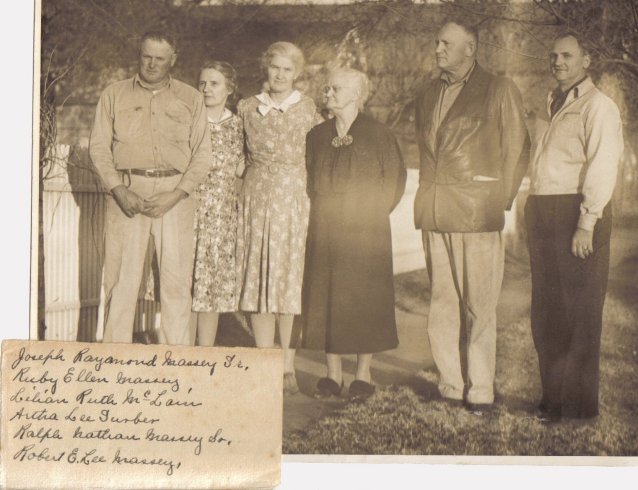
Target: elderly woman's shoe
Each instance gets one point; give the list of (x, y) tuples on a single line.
[(327, 388), (290, 384), (360, 390)]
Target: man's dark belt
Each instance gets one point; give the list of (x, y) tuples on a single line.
[(151, 172)]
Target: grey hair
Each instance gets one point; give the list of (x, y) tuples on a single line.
[(229, 73), (470, 28), (361, 79), (287, 50)]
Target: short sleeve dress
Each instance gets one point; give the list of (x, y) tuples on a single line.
[(274, 206), (214, 277)]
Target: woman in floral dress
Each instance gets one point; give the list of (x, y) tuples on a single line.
[(274, 206), (214, 281)]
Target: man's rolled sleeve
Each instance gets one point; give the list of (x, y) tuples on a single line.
[(603, 149), (200, 144), (101, 140)]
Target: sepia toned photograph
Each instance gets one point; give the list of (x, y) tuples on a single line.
[(429, 207)]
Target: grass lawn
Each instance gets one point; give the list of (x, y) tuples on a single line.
[(410, 419)]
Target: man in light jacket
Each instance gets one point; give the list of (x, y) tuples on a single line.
[(568, 216)]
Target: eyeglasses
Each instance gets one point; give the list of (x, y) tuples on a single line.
[(334, 88)]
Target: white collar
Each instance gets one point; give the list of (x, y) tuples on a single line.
[(225, 115), (575, 92), (267, 104)]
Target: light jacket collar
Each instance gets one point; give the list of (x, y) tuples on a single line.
[(575, 92)]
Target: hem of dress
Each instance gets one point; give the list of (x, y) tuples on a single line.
[(212, 310), (256, 310), (349, 352)]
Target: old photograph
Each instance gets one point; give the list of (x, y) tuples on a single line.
[(430, 207)]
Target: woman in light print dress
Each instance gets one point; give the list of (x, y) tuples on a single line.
[(274, 206), (214, 277)]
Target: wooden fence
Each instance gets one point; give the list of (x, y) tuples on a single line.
[(73, 227)]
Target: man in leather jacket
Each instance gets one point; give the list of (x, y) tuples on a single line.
[(474, 150)]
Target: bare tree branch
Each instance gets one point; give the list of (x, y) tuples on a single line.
[(69, 68), (634, 11), (478, 13)]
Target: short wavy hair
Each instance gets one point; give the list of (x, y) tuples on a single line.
[(161, 35), (470, 28), (287, 50), (360, 78), (583, 44)]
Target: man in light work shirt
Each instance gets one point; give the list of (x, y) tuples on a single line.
[(151, 147), (474, 151), (568, 215)]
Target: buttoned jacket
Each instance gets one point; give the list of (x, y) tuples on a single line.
[(472, 165)]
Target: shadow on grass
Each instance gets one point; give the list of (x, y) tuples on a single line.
[(408, 417)]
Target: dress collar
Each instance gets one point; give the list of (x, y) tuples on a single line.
[(226, 115), (267, 104)]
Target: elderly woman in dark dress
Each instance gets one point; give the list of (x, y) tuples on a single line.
[(356, 177)]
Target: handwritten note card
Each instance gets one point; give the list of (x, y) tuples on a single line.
[(80, 415)]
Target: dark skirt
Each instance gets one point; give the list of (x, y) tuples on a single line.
[(348, 290)]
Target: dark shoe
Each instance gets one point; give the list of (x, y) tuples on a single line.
[(545, 408), (327, 388), (360, 390), (548, 415), (580, 421), (290, 384), (452, 402), (579, 414), (479, 409)]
